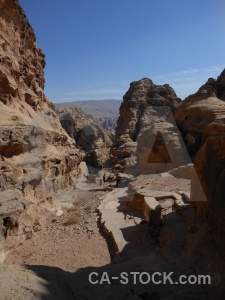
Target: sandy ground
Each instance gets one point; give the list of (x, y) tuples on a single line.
[(70, 241), (73, 243), (73, 240)]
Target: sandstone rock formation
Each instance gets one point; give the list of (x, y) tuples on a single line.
[(199, 111), (202, 116), (88, 134), (106, 112), (201, 119), (37, 157), (145, 131), (210, 167)]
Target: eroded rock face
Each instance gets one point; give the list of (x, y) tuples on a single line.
[(210, 167), (88, 134), (108, 123), (37, 157), (199, 111), (201, 118), (141, 122)]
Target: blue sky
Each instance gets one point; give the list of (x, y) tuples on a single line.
[(95, 48)]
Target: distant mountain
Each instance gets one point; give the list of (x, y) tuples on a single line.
[(106, 112), (97, 108)]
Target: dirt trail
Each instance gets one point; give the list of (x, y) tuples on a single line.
[(73, 241), (70, 241)]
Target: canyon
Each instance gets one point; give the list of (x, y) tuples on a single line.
[(81, 194), (88, 135), (105, 112)]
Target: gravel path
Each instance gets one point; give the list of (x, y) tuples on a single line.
[(70, 241)]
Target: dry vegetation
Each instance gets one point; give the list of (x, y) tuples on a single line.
[(72, 215), (72, 218)]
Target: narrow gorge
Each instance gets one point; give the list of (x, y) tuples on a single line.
[(80, 195)]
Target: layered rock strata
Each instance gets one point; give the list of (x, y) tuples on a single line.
[(37, 157)]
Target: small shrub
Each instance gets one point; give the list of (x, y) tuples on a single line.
[(72, 208), (78, 202), (72, 219)]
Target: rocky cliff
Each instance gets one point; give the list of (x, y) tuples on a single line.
[(108, 123), (199, 111), (210, 167), (202, 117), (88, 134), (37, 157), (145, 132), (105, 112)]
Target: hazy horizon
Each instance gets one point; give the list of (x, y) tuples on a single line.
[(95, 49), (78, 100)]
